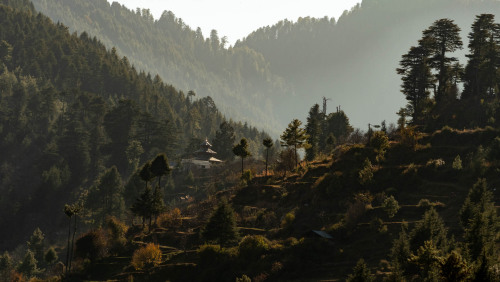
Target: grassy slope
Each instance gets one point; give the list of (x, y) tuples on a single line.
[(319, 196)]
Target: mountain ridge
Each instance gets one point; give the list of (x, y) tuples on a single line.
[(182, 56), (351, 60)]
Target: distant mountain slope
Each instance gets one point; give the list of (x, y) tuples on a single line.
[(353, 60), (238, 79)]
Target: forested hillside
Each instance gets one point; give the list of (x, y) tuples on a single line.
[(238, 79), (350, 60), (70, 109), (90, 165)]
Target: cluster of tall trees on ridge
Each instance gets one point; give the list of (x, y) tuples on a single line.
[(430, 67)]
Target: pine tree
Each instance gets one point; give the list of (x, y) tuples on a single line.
[(441, 38), (106, 196), (361, 273), (51, 256), (427, 260), (157, 205), (431, 228), (330, 143), (146, 173), (294, 137), (480, 221), (241, 150), (417, 79), (70, 212), (5, 51), (143, 206), (224, 140), (483, 272), (36, 244), (28, 266), (400, 251), (454, 267), (480, 77), (159, 167), (338, 124), (313, 130), (268, 143), (221, 227), (6, 267)]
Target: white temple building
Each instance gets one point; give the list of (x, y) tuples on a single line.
[(204, 158)]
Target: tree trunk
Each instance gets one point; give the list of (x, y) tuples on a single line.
[(267, 159), (241, 166), (68, 250), (296, 159), (72, 244)]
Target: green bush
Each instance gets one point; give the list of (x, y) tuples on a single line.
[(288, 220), (116, 235), (390, 206), (247, 175), (457, 163), (380, 143), (253, 246), (243, 278), (435, 163), (408, 137), (376, 224), (366, 173), (210, 255), (146, 257), (171, 219), (357, 208), (447, 129), (291, 241), (424, 203), (412, 169), (91, 245)]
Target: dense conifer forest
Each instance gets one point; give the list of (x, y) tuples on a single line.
[(238, 79), (275, 73), (70, 109), (93, 186)]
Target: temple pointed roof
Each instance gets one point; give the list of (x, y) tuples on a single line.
[(206, 144), (206, 153)]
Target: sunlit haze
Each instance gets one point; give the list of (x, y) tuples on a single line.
[(236, 19)]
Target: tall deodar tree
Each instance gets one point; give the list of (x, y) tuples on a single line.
[(295, 137), (241, 150)]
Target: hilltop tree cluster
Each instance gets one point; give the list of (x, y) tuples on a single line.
[(430, 68), (324, 131)]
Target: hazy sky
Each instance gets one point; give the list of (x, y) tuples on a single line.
[(237, 18)]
